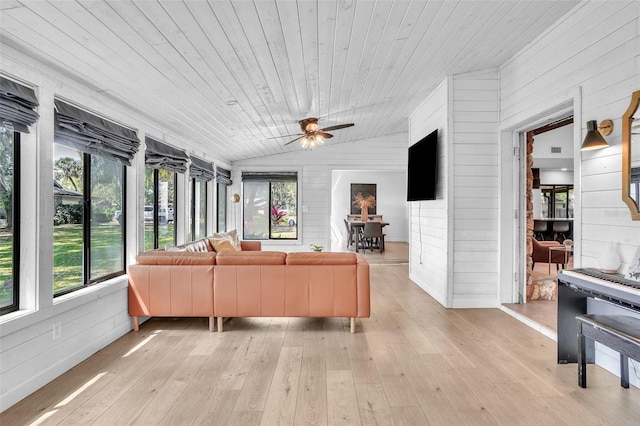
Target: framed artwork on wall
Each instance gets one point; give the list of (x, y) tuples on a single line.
[(362, 191)]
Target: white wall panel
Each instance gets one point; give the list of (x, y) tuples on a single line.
[(429, 223)]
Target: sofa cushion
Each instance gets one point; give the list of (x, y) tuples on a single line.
[(251, 258), (157, 257), (231, 236), (202, 245), (221, 244), (314, 258)]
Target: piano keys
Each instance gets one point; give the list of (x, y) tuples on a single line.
[(575, 287)]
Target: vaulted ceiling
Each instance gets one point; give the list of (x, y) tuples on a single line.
[(229, 75)]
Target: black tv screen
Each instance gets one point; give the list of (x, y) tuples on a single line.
[(422, 176)]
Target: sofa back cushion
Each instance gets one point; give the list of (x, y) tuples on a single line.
[(202, 245), (251, 258), (314, 258), (158, 257)]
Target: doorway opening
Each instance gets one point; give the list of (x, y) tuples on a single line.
[(548, 226)]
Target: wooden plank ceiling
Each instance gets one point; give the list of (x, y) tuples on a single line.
[(228, 75)]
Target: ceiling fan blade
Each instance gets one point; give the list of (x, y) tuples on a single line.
[(336, 127), (324, 135), (292, 141), (286, 136)]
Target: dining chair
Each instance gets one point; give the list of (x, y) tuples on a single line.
[(373, 236), (350, 233)]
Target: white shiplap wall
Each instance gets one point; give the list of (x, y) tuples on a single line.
[(454, 239), (314, 176), (429, 226), (474, 183), (595, 51), (595, 48)]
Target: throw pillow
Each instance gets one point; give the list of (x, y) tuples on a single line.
[(222, 244), (174, 248), (232, 236)]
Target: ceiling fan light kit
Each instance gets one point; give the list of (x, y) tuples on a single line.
[(312, 137)]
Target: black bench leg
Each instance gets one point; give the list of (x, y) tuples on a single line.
[(624, 371), (582, 361)]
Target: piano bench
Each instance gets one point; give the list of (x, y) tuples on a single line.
[(619, 332)]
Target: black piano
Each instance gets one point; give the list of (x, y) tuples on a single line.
[(587, 290)]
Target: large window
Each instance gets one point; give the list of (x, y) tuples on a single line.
[(270, 206), (556, 201), (88, 232), (9, 223), (198, 221), (159, 213), (221, 205)]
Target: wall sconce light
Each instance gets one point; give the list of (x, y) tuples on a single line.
[(594, 138)]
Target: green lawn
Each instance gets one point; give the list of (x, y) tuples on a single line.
[(67, 256)]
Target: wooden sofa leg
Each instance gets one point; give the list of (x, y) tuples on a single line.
[(353, 325), (220, 324), (212, 323), (136, 324)]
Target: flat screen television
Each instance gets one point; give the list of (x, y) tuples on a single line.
[(422, 176)]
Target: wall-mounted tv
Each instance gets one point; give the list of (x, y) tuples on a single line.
[(422, 176)]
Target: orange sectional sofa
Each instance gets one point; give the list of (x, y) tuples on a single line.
[(246, 283)]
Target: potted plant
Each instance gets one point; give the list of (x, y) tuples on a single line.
[(316, 247)]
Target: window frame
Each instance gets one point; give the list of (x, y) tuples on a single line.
[(156, 206), (270, 182), (86, 228), (15, 260), (192, 207), (221, 207)]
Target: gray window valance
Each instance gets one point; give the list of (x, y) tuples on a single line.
[(269, 176), (201, 169), (17, 105), (223, 176), (89, 133), (162, 156)]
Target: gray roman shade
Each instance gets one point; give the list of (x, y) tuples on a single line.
[(17, 105), (94, 135), (223, 176), (201, 169), (269, 176), (161, 156)]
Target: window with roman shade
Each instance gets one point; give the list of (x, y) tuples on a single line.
[(94, 135), (223, 180), (163, 163), (17, 105)]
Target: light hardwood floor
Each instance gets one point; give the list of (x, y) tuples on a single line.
[(412, 363)]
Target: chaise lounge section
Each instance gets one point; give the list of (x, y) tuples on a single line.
[(176, 283)]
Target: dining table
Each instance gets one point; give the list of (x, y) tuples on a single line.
[(357, 224)]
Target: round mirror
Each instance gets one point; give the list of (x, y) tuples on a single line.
[(631, 156)]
